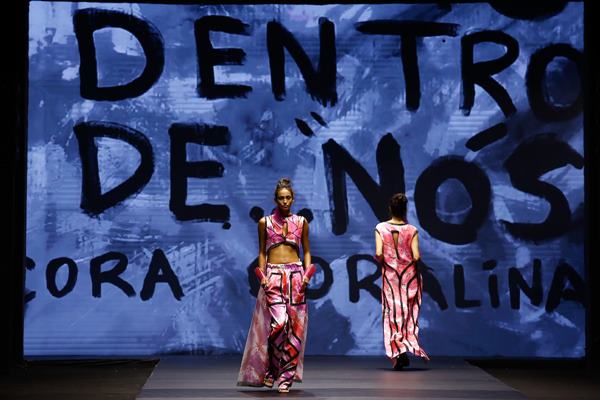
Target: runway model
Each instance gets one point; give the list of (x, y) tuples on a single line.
[(397, 250), (274, 350)]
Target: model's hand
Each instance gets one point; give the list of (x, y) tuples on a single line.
[(309, 271), (262, 278), (305, 282)]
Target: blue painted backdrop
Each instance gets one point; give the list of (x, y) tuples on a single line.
[(65, 314)]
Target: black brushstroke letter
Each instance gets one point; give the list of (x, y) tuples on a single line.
[(409, 31), (206, 135), (89, 20), (320, 83), (477, 185), (208, 56), (93, 201), (338, 163), (480, 73)]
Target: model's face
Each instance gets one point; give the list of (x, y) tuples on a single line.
[(284, 200)]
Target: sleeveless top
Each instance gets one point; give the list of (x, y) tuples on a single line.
[(274, 224), (396, 253)]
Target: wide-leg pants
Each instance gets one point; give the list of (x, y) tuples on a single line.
[(275, 344)]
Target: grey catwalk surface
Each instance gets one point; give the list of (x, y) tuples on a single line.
[(205, 377)]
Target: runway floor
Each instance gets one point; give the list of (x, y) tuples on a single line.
[(190, 377), (193, 377)]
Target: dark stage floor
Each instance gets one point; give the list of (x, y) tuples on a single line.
[(192, 377), (328, 378)]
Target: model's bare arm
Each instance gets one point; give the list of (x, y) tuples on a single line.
[(262, 255), (307, 260), (414, 245), (378, 246)]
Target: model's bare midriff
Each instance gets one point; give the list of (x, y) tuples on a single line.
[(283, 254)]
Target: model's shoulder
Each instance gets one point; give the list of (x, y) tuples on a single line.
[(380, 226), (300, 218)]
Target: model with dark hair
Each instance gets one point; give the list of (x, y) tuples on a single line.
[(397, 250), (275, 346)]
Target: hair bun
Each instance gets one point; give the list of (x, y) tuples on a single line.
[(284, 182)]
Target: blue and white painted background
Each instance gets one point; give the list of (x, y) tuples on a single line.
[(495, 185)]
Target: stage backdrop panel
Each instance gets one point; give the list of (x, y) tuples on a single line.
[(157, 134)]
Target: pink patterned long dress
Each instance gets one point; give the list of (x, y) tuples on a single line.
[(401, 291), (275, 343)]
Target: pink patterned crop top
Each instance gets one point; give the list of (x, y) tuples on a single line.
[(275, 232)]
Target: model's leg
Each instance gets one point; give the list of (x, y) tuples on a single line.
[(276, 302), (395, 311), (414, 294), (293, 344)]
